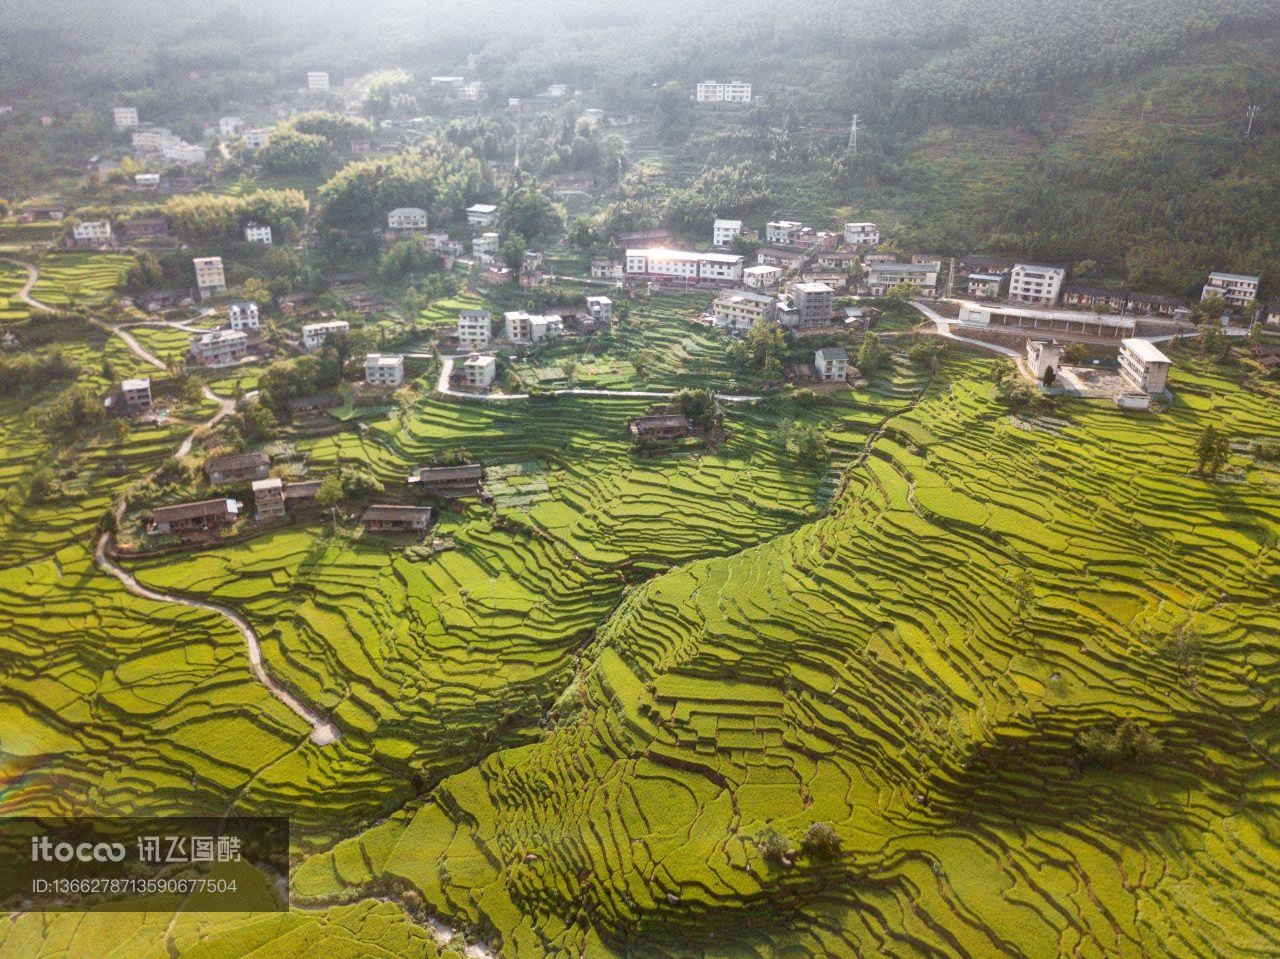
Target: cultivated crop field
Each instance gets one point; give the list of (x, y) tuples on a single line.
[(68, 279)]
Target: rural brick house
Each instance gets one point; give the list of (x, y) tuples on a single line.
[(661, 427), (268, 499), (219, 348), (396, 519), (136, 393), (303, 407), (452, 481), (205, 516), (237, 468), (384, 369), (479, 371)]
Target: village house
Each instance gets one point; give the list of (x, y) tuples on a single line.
[(268, 499), (125, 117), (381, 518), (257, 233), (256, 138), (1043, 355), (136, 393), (451, 481), (712, 91), (723, 232), (152, 139), (210, 277), (782, 259), (785, 312), (986, 286), (219, 348), (522, 327), (472, 90), (482, 214), (684, 265), (1093, 297), (661, 427), (1238, 290), (880, 278), (838, 260), (1270, 314), (92, 233), (813, 302), (1039, 285), (831, 363), (441, 243), (383, 369), (311, 407), (244, 317), (146, 181), (290, 302), (742, 309), (317, 80), (407, 218), (761, 277), (475, 328), (600, 309), (485, 245), (314, 334), (205, 516), (479, 371), (237, 468), (606, 270), (497, 275), (183, 152), (861, 234), (1143, 366), (1155, 304), (811, 239), (229, 126), (781, 232)]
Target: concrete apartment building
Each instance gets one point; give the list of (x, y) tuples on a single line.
[(522, 327), (600, 309), (813, 302), (742, 309), (1143, 366), (781, 232), (861, 234), (125, 117), (479, 371), (92, 233), (314, 334), (383, 369), (712, 91), (1237, 289), (210, 277), (831, 363), (136, 393), (244, 317), (475, 329), (723, 232), (880, 278), (686, 265), (219, 348), (482, 214), (761, 277), (153, 139), (407, 218), (1032, 283), (486, 244), (258, 233), (317, 80)]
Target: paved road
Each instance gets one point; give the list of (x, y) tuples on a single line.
[(943, 326), (323, 732)]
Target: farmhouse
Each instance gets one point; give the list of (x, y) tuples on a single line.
[(268, 499), (136, 393), (396, 519), (219, 348), (988, 286), (1143, 366), (485, 245), (92, 233), (314, 334), (256, 139), (723, 232), (838, 260), (482, 214), (153, 139), (861, 234), (210, 278), (407, 218), (600, 308), (1238, 290), (663, 427), (451, 481), (182, 152), (237, 468), (1043, 355), (781, 259), (1153, 304), (479, 371), (606, 270), (882, 277), (475, 327), (207, 515), (257, 233), (310, 406), (781, 232), (125, 117), (811, 239), (831, 363), (679, 264), (761, 277), (471, 90), (244, 317), (742, 309), (813, 302), (1093, 297), (1031, 283), (383, 369)]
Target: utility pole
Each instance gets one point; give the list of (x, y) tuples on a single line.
[(853, 136), (1250, 115), (951, 278)]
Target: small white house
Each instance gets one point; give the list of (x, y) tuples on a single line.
[(229, 126), (475, 328), (317, 80), (1043, 355), (136, 393), (781, 232), (92, 232), (258, 233), (383, 369), (600, 308), (244, 317), (723, 232), (125, 117), (831, 364), (407, 218), (256, 138), (314, 334), (146, 181), (861, 234), (762, 277), (479, 371), (482, 214), (210, 277), (1144, 366), (182, 152), (486, 244)]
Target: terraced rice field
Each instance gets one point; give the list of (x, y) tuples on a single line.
[(83, 279), (12, 279)]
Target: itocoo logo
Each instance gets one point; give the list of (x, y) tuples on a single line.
[(43, 849)]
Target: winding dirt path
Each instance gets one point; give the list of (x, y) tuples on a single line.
[(323, 731)]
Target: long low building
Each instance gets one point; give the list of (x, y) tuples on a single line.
[(883, 277), (206, 515), (396, 519), (690, 266), (452, 481), (742, 309), (1047, 321)]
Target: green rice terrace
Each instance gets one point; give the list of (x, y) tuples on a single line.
[(991, 684)]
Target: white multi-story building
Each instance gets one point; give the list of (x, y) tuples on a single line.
[(244, 317), (723, 232), (813, 302), (383, 369), (317, 80), (1238, 290), (741, 309), (92, 232), (256, 138), (880, 278), (125, 117), (482, 214), (1031, 283), (781, 232), (407, 218), (183, 152), (762, 277), (472, 90), (486, 244), (683, 264), (314, 334), (153, 139), (1143, 366), (219, 348), (521, 327), (479, 371), (831, 364), (735, 91), (861, 234), (210, 277), (600, 308), (146, 181), (258, 233), (475, 328), (136, 393), (229, 126)]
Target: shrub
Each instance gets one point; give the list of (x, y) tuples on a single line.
[(821, 841), (1130, 743)]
